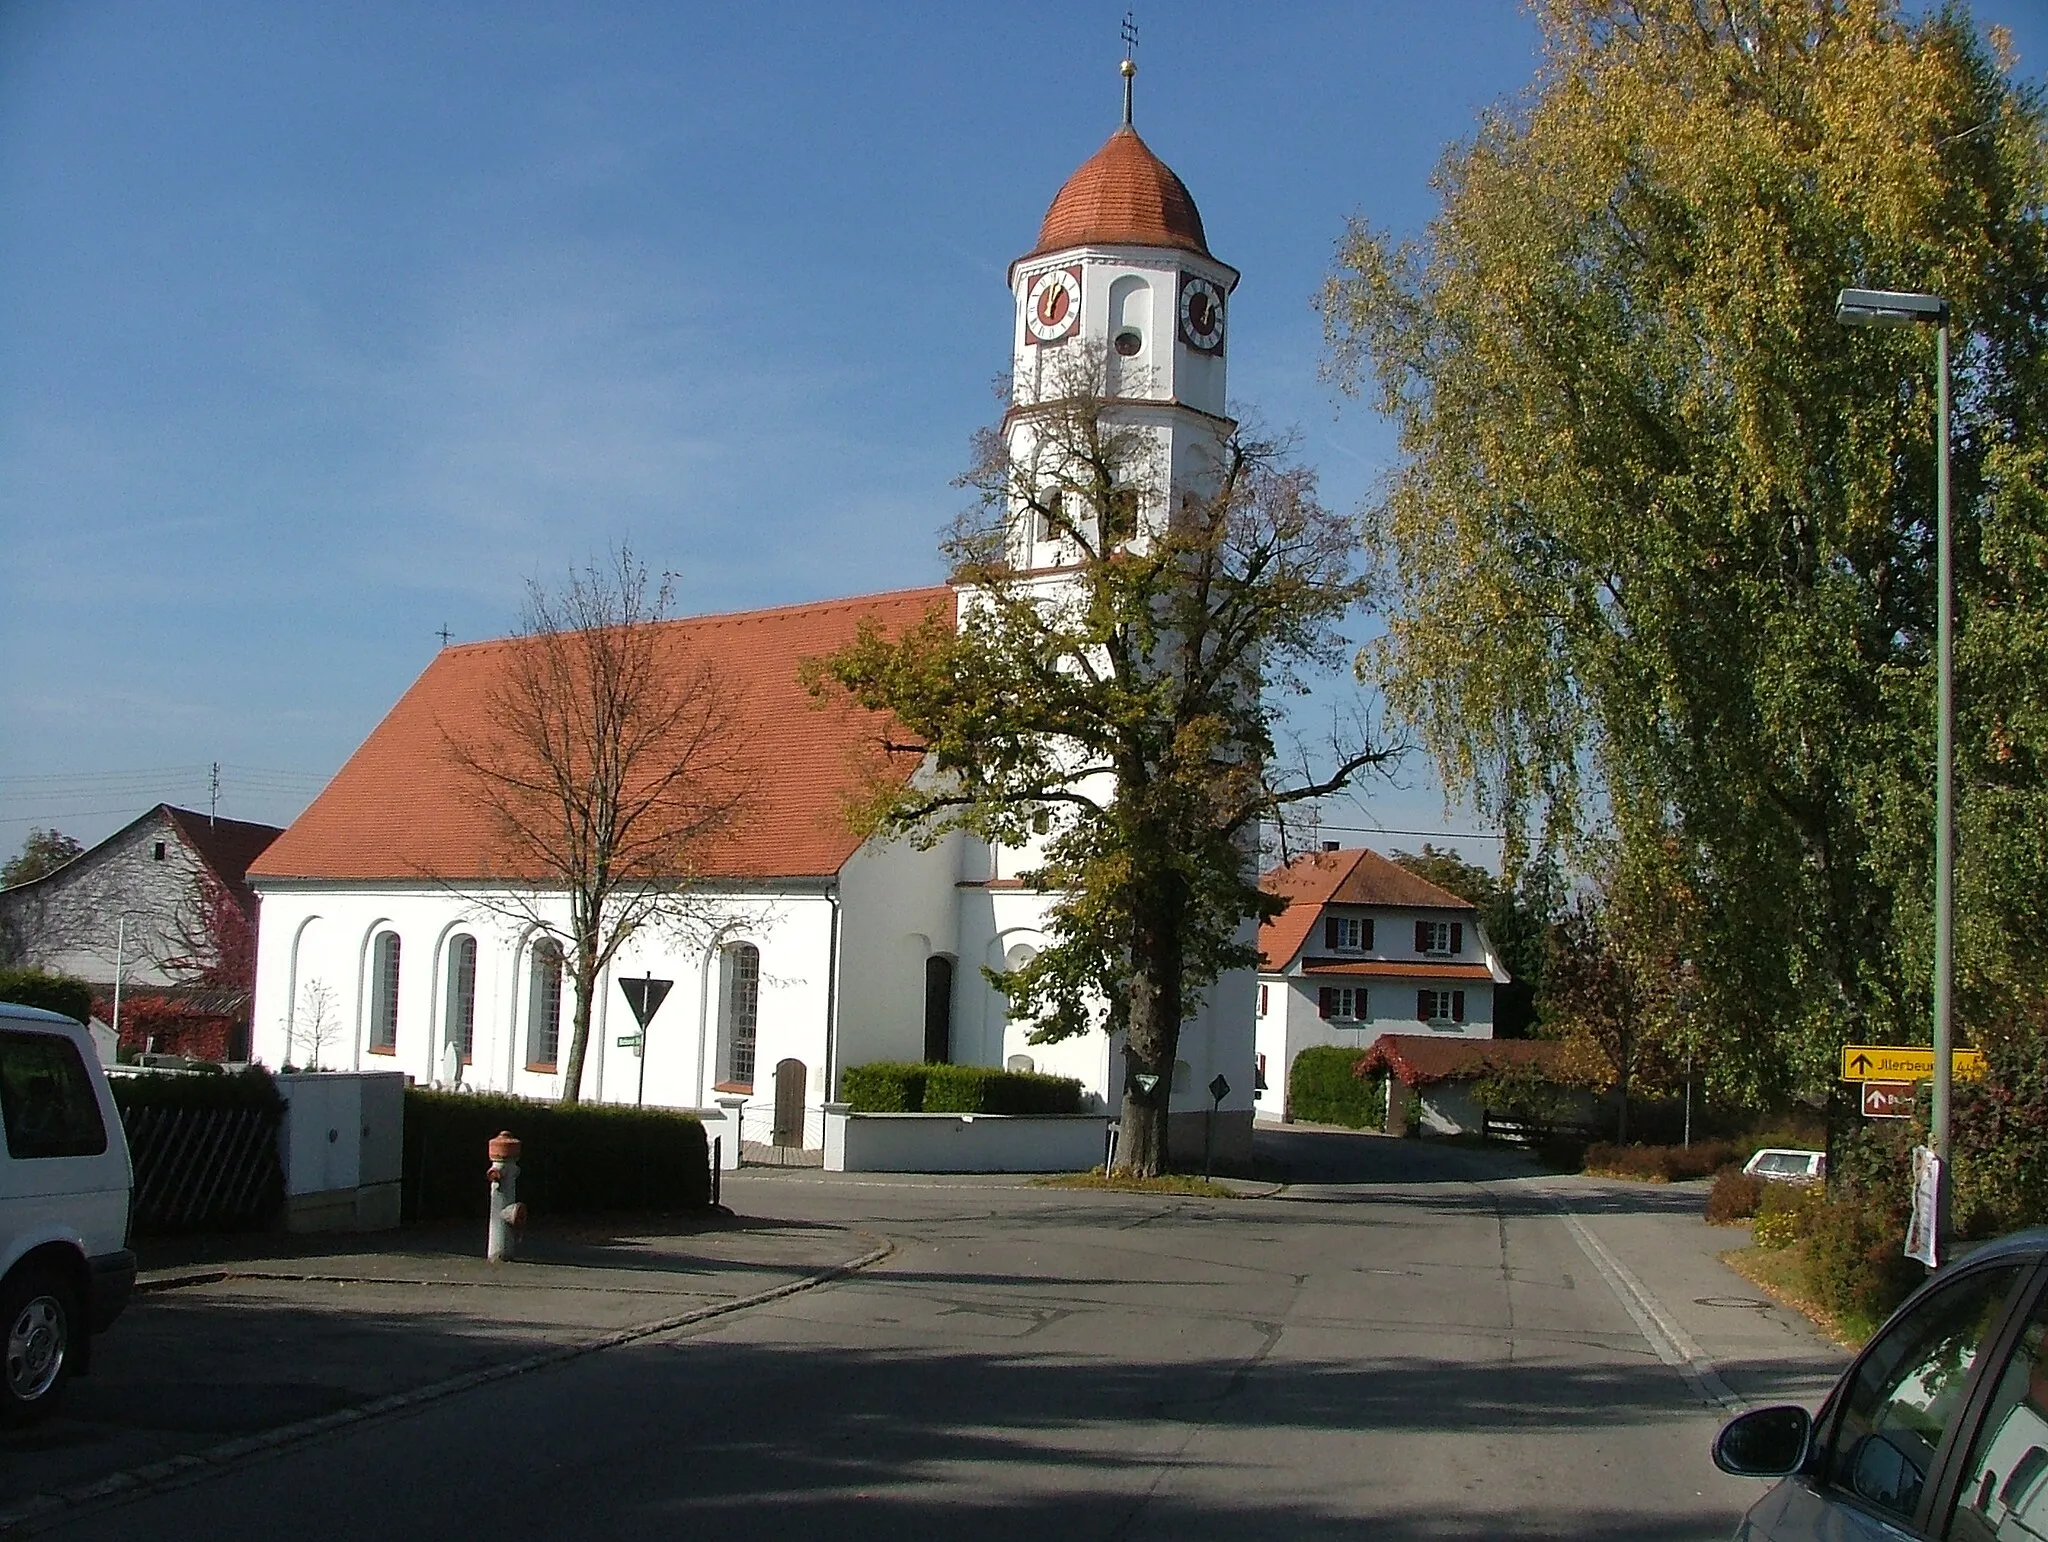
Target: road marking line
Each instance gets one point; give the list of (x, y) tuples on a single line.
[(1673, 1345), (178, 1471)]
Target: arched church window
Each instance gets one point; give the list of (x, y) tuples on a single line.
[(384, 994), (938, 1009), (460, 1014), (742, 1012), (544, 1005)]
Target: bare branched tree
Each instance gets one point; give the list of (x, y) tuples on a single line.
[(613, 756)]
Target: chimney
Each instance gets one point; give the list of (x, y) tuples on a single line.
[(1331, 846)]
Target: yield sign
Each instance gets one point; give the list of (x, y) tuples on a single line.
[(645, 997)]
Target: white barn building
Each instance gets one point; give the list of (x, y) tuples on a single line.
[(379, 945)]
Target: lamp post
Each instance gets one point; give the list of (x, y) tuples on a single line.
[(1890, 308)]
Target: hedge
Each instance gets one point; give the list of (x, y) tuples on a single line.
[(576, 1158), (251, 1088), (51, 992), (1323, 1089), (1665, 1164), (890, 1087)]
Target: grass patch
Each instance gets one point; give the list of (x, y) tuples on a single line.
[(1184, 1184), (1780, 1273)]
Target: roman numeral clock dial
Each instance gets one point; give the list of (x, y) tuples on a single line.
[(1052, 305), (1201, 314)]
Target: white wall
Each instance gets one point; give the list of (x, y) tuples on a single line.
[(322, 933), (901, 907)]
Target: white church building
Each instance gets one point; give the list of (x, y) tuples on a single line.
[(380, 948)]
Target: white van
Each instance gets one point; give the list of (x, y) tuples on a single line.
[(65, 1267)]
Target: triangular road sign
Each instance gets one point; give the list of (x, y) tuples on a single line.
[(645, 997)]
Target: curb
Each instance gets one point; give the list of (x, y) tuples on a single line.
[(1671, 1343), (178, 1471)]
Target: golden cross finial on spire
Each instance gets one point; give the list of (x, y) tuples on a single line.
[(1130, 64)]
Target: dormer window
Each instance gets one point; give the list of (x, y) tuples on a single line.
[(1439, 937), (1347, 934)]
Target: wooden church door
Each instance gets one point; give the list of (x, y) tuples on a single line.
[(789, 1103)]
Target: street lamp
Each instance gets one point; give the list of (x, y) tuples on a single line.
[(1889, 308)]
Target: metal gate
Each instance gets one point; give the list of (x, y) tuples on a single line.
[(790, 1080)]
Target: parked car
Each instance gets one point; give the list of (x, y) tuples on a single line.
[(1782, 1165), (66, 1270), (1939, 1428)]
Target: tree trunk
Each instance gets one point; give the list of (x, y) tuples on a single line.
[(1153, 1044), (585, 967)]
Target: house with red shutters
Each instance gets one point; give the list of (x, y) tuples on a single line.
[(1364, 949)]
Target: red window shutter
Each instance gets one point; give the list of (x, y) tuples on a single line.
[(1358, 1005), (1323, 1001), (1424, 1002), (1330, 932), (1421, 936), (1365, 934), (1457, 936), (1457, 1006)]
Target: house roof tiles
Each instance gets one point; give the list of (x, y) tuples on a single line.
[(1357, 877), (1420, 1059), (398, 809)]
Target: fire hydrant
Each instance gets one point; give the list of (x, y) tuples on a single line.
[(506, 1211)]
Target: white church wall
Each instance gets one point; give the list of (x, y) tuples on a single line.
[(900, 907), (315, 970)]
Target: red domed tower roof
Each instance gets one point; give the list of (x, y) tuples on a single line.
[(1123, 195)]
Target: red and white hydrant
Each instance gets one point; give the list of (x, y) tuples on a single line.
[(506, 1211)]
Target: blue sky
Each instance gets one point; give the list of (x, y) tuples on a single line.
[(322, 327)]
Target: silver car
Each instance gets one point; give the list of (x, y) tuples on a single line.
[(1939, 1429)]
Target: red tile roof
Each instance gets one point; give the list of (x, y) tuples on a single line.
[(1419, 1059), (397, 809), (1123, 195), (1358, 877), (228, 846)]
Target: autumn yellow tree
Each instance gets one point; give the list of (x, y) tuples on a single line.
[(1661, 534)]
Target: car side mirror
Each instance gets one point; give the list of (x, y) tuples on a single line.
[(1764, 1443)]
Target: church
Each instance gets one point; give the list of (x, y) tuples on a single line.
[(377, 948)]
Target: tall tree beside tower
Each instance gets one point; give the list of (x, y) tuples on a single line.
[(1138, 580), (1662, 536)]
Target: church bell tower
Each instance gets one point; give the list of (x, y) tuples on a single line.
[(1121, 296)]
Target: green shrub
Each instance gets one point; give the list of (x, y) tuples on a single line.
[(2000, 1138), (576, 1158), (1323, 1088), (51, 992), (1734, 1196), (1854, 1267), (894, 1087), (1775, 1231)]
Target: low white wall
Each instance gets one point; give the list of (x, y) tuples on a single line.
[(962, 1143)]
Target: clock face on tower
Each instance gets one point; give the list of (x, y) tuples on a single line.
[(1052, 305), (1201, 314)]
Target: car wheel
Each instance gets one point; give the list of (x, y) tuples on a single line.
[(40, 1323)]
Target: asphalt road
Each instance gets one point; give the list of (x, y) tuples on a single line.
[(1420, 1344)]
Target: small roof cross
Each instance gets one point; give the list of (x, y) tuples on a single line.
[(1130, 64)]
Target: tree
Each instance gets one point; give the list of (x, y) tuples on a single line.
[(43, 852), (1517, 916), (316, 1024), (612, 758), (1121, 721), (212, 940), (1661, 537)]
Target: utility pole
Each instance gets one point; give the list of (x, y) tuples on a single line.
[(213, 796)]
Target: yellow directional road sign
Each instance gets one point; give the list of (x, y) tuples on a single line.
[(1905, 1063)]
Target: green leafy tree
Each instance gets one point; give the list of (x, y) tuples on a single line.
[(1661, 537), (1122, 722), (42, 853), (1517, 915)]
